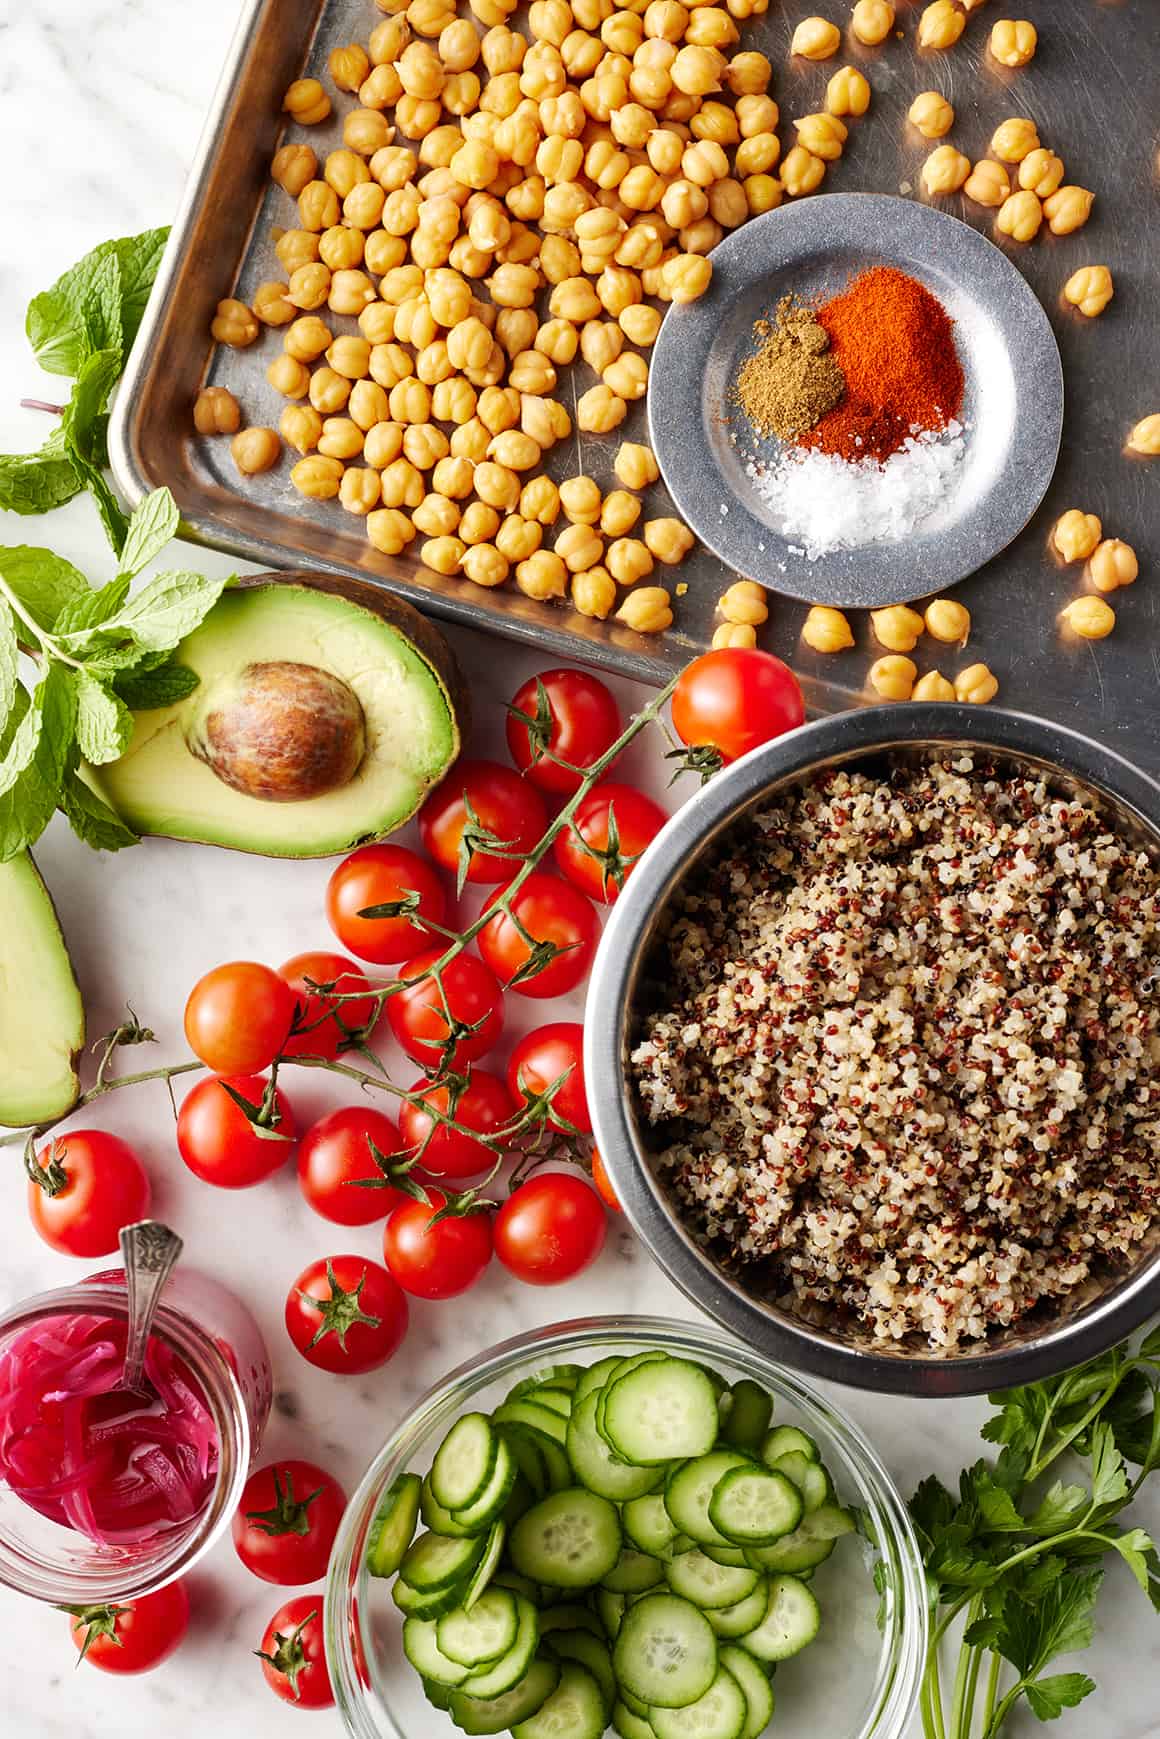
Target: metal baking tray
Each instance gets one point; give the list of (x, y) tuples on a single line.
[(1091, 91)]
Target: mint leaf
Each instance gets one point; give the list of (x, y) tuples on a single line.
[(39, 584), (27, 803), (9, 680), (144, 690), (83, 425), (108, 507), (168, 608), (139, 257), (90, 817), (97, 304), (90, 611), (153, 525), (104, 723), (38, 482), (1049, 1697)]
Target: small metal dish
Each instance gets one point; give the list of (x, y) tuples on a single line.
[(1012, 410), (630, 967)]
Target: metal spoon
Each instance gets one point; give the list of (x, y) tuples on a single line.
[(149, 1251)]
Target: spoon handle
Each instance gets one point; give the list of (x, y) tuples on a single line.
[(149, 1250)]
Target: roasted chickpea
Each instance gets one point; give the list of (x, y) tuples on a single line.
[(545, 420), (647, 609), (704, 163), (872, 21), (1091, 617), (733, 634), (1020, 217), (296, 247), (350, 357), (931, 115), (827, 630), (389, 530), (340, 438), (403, 484), (987, 184), (318, 206), (593, 592), (382, 444), (485, 565), (453, 400), (381, 89), (309, 286), (216, 412), (848, 92), (359, 490), (317, 477), (822, 134), (976, 685), (479, 523), (933, 686), (948, 620), (579, 547), (1041, 172), (744, 602), (756, 114), (748, 74), (1077, 534), (342, 249), (687, 276), (1113, 564), (627, 376), (1144, 438), (288, 376), (897, 627), (255, 450), (307, 338), (628, 560), (893, 677), (1015, 139), (387, 40), (293, 166), (1090, 290), (301, 426), (516, 329), (941, 25), (306, 102), (437, 515), (619, 512), (234, 324), (469, 442), (540, 500), (802, 172), (443, 554), (1013, 41), (635, 465), (757, 155), (945, 170), (542, 575), (816, 39), (1068, 209), (389, 364), (580, 499), (639, 323)]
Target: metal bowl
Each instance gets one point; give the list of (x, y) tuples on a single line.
[(1047, 1341)]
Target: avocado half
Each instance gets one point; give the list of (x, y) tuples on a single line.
[(42, 1018), (350, 689)]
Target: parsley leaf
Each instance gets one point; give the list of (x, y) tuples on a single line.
[(1049, 1697)]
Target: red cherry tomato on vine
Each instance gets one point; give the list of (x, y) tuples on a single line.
[(551, 911), (540, 1058), (91, 1185), (293, 1654), (378, 875), (133, 1637), (221, 1145), (286, 1522), (418, 1019), (550, 1229), (327, 1023), (346, 1315), (484, 1105), (583, 721), (637, 820), (603, 1183), (507, 806), (436, 1261), (734, 699), (238, 1017), (337, 1173)]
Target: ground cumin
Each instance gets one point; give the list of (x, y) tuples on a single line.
[(793, 379)]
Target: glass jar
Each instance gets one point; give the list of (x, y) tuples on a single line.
[(210, 1329)]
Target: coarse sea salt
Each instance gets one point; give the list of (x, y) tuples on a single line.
[(829, 503)]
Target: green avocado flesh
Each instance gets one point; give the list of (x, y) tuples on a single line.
[(42, 1020), (159, 786)]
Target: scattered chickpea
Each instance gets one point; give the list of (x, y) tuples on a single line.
[(593, 592), (293, 167), (1077, 535), (872, 21), (1015, 139), (744, 602), (897, 627), (848, 92), (988, 183), (581, 500), (647, 609), (1091, 617), (1145, 437), (827, 630), (802, 172), (579, 547), (348, 66), (945, 170), (1020, 216), (687, 276), (670, 542), (307, 338), (948, 620), (628, 560), (1113, 564), (234, 324), (389, 530), (300, 427), (823, 135), (941, 25), (893, 677), (543, 575), (1041, 171), (734, 634), (288, 376), (933, 686), (931, 114), (1013, 41), (317, 477), (485, 565), (1068, 209), (306, 102), (976, 685), (635, 465), (255, 450), (1090, 290), (816, 39), (216, 412), (443, 554)]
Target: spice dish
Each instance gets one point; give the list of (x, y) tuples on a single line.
[(857, 506)]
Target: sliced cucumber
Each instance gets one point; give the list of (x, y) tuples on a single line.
[(594, 1463), (487, 1566), (569, 1540), (593, 1654), (551, 1377), (747, 1419), (755, 1687), (720, 1714), (623, 1368), (393, 1527), (696, 1577), (575, 1709), (791, 1621), (755, 1505), (633, 1573), (665, 1652), (595, 1377), (734, 1621), (787, 1440), (538, 1418), (634, 1704), (435, 1561), (731, 1555), (520, 1498), (504, 1674), (611, 1609), (421, 1647), (810, 1477), (630, 1726), (479, 1637), (810, 1543), (492, 1500), (647, 1524), (690, 1488), (427, 1602), (661, 1411), (556, 1400), (473, 1714), (570, 1616), (463, 1462), (435, 1517)]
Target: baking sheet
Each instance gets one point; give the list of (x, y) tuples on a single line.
[(1091, 91)]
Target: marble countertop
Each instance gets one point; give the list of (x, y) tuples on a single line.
[(100, 111)]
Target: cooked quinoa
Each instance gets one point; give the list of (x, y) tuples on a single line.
[(905, 1069)]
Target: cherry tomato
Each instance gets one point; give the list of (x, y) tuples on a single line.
[(286, 1522), (378, 875), (437, 1261), (337, 1173), (345, 1314), (220, 1144), (551, 911), (88, 1185), (540, 1058), (550, 1229), (328, 1024), (734, 699), (238, 1017), (473, 997), (583, 721), (509, 807), (637, 820), (603, 1183), (483, 1104), (135, 1637), (293, 1654)]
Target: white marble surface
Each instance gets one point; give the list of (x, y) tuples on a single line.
[(100, 111)]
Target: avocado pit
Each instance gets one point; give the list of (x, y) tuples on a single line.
[(279, 731)]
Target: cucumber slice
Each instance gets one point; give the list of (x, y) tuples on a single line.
[(487, 1566), (518, 1585), (595, 1377), (665, 1652), (747, 1420), (479, 1637), (630, 1726), (492, 1500), (611, 1609), (421, 1648), (810, 1477), (633, 1573), (569, 1540), (734, 1556), (720, 1714), (473, 1714), (434, 1561), (787, 1440), (552, 1376), (569, 1616), (647, 1524), (439, 1696), (435, 1517), (520, 1498), (810, 1544), (734, 1621), (623, 1369), (593, 1654), (530, 1413), (690, 1489), (594, 1463), (502, 1675), (556, 1400), (755, 1505), (661, 1411), (428, 1602), (791, 1621), (755, 1687), (463, 1462), (393, 1527), (575, 1709), (696, 1577)]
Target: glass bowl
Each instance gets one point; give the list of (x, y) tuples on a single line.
[(859, 1680)]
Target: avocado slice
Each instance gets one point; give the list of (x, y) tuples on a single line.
[(325, 712), (42, 1019)]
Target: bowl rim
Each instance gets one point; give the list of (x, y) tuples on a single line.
[(900, 1666), (717, 805)]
